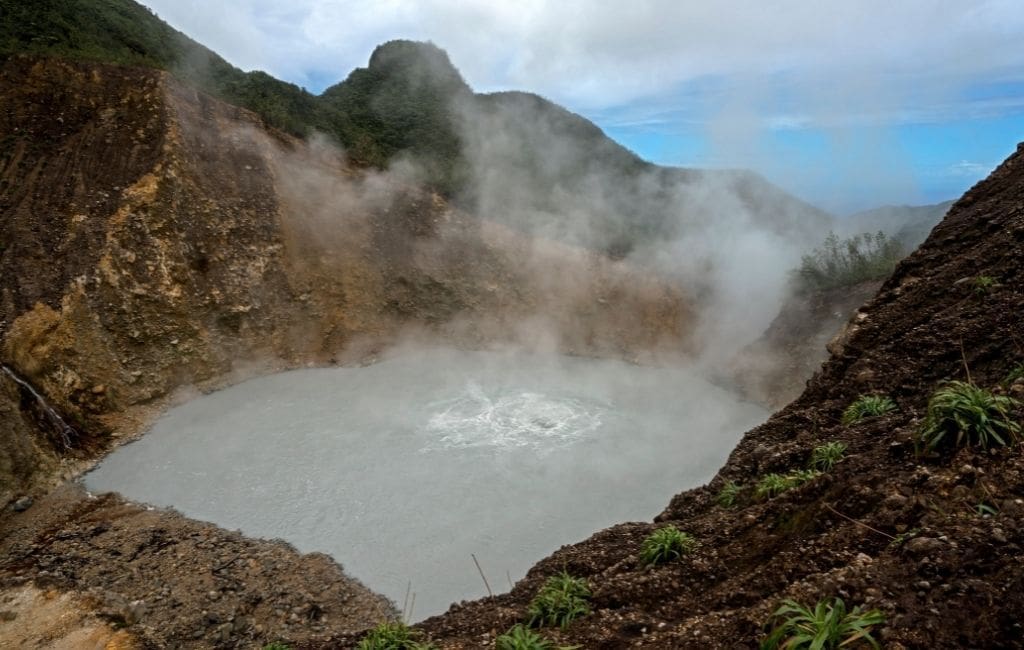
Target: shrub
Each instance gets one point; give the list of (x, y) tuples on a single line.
[(842, 263), (971, 413), (827, 627), (666, 544), (728, 495), (867, 406), (393, 636), (825, 457), (771, 485), (560, 601)]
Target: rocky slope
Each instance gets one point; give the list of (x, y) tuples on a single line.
[(887, 528)]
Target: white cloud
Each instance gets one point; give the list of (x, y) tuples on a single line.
[(592, 54)]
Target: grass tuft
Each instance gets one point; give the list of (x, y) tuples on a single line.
[(867, 406), (729, 494), (827, 627), (393, 636), (561, 600), (825, 457), (965, 414), (521, 637), (666, 544), (772, 485)]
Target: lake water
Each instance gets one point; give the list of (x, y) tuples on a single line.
[(402, 469)]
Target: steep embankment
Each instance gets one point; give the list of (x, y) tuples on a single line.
[(885, 528)]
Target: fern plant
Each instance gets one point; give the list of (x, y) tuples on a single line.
[(965, 414), (867, 406), (828, 626), (561, 600), (666, 544)]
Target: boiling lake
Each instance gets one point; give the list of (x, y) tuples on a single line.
[(403, 469)]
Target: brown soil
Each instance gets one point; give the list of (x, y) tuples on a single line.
[(173, 582)]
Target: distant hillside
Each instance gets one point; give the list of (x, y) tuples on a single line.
[(909, 224), (514, 157)]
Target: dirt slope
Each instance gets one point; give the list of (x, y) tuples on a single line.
[(955, 580)]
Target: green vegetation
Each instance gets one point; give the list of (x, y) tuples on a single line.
[(827, 627), (277, 645), (729, 494), (126, 33), (984, 284), (393, 636), (903, 537), (559, 602), (521, 637), (972, 414), (845, 262), (772, 485), (666, 544), (1016, 373), (824, 457), (867, 406), (983, 509)]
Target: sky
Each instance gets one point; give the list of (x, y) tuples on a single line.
[(848, 105)]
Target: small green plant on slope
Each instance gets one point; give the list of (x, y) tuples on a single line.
[(729, 494), (867, 406), (277, 645), (1014, 375), (393, 636), (773, 484), (972, 414), (521, 637), (827, 627), (900, 539), (561, 600), (824, 457), (666, 544), (984, 284)]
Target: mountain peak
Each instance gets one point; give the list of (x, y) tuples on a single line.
[(416, 59)]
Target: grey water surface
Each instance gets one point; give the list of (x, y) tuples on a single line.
[(402, 469)]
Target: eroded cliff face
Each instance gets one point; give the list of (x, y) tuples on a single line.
[(155, 239)]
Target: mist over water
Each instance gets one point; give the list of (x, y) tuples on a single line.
[(402, 469)]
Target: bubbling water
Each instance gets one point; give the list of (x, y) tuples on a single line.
[(403, 469), (540, 422)]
